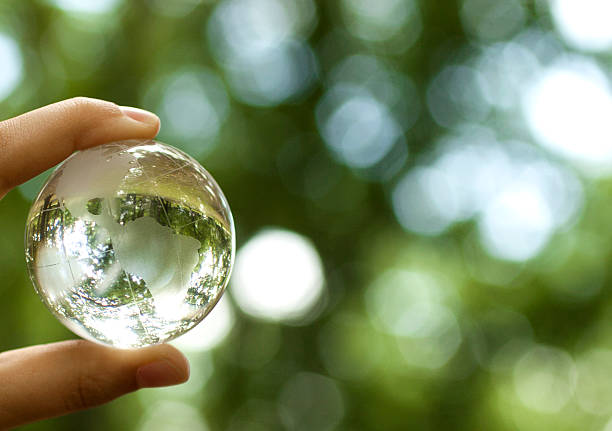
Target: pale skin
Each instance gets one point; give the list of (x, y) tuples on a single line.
[(50, 380)]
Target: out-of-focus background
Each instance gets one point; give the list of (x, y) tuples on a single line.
[(421, 192)]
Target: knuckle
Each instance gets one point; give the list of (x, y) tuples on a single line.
[(92, 109), (89, 113), (88, 391), (79, 100), (80, 347)]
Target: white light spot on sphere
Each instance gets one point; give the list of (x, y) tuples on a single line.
[(568, 110), (544, 379), (584, 24), (11, 65), (278, 276)]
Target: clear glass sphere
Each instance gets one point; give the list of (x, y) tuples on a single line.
[(130, 243)]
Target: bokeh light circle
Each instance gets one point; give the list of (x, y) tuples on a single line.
[(568, 110), (545, 379), (584, 24), (278, 276), (11, 69)]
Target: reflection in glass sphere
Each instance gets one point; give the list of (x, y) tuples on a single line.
[(130, 243)]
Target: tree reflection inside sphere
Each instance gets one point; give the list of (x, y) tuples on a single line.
[(130, 243)]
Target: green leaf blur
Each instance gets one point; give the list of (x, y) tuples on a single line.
[(434, 174)]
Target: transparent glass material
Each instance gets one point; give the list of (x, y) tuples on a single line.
[(130, 243)]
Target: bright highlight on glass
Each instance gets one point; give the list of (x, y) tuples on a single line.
[(278, 276), (130, 243)]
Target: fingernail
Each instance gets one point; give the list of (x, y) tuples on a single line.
[(156, 374), (139, 115)]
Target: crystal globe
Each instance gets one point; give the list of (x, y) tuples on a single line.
[(130, 243)]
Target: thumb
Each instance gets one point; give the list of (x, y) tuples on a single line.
[(38, 140), (50, 380)]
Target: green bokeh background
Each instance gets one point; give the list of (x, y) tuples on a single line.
[(527, 327)]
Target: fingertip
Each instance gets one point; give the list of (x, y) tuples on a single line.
[(170, 367), (141, 116), (178, 359)]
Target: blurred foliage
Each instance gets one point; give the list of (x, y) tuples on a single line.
[(435, 314)]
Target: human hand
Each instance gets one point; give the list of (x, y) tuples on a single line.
[(50, 380)]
